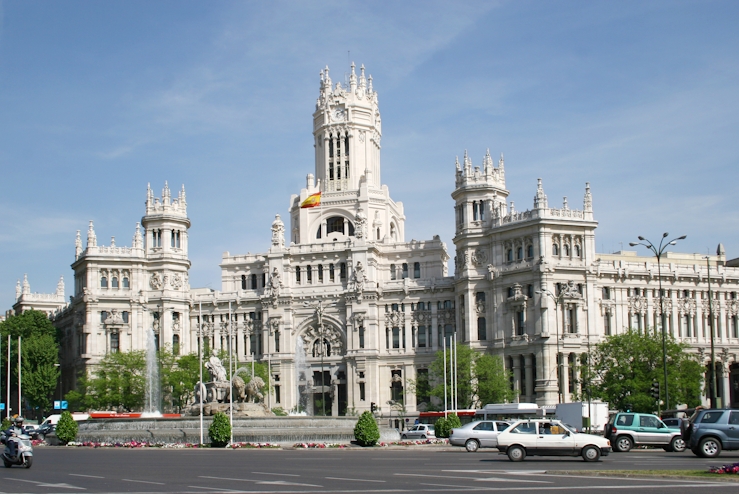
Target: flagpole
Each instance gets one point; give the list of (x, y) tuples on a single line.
[(456, 373), (230, 370), (443, 346), (200, 360), (20, 403)]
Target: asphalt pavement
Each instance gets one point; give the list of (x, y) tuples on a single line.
[(354, 470)]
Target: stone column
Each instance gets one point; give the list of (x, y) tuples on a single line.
[(529, 378), (565, 376), (517, 375)]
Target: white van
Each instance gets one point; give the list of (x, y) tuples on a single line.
[(53, 419)]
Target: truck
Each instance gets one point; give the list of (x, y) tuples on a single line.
[(54, 418), (576, 414)]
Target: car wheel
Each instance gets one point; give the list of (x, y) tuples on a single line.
[(471, 445), (590, 453), (709, 447), (624, 444), (423, 436), (677, 445), (516, 453), (404, 436)]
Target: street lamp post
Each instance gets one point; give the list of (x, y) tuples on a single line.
[(714, 401), (658, 251), (557, 300)]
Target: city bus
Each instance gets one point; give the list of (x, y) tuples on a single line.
[(465, 416), (512, 411)]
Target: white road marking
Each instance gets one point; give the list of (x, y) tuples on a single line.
[(44, 484), (355, 480), (281, 474), (448, 485), (143, 481), (89, 476), (212, 488), (473, 478), (259, 481)]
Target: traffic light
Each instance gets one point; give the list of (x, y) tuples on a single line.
[(655, 390), (373, 407)]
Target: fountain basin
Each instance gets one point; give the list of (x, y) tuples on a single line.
[(246, 429)]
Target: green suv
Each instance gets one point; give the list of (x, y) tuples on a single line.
[(627, 429)]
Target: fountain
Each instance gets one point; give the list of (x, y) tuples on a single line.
[(152, 396), (302, 374)]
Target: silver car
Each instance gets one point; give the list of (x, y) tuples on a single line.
[(419, 431), (478, 434)]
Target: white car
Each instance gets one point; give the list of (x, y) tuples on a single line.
[(542, 437), (419, 431), (477, 434)]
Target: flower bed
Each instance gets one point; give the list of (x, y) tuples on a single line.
[(730, 469), (410, 442), (318, 445), (147, 444)]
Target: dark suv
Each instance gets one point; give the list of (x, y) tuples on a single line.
[(709, 431)]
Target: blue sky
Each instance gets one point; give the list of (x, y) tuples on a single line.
[(97, 99)]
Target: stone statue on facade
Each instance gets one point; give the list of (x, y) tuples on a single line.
[(360, 224), (278, 232), (359, 280)]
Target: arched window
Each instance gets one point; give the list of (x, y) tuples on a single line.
[(243, 282), (125, 282), (577, 251), (297, 275), (510, 291), (393, 273), (519, 253), (336, 224), (555, 249), (176, 344), (103, 316), (378, 233), (104, 282), (566, 250), (392, 231), (309, 274), (416, 269), (405, 270), (342, 271), (509, 255), (530, 251), (114, 282), (331, 271)]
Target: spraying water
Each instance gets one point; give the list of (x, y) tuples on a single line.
[(152, 394), (303, 391)]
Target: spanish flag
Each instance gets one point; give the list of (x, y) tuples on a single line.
[(311, 201)]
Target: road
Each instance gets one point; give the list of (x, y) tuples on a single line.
[(356, 470)]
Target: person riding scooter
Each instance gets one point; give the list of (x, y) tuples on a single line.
[(15, 430)]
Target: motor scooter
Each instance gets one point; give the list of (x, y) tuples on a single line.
[(18, 450)]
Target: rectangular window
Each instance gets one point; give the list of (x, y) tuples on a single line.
[(393, 274), (361, 336), (331, 272), (342, 271), (361, 392), (607, 324), (416, 269), (114, 343), (520, 328), (320, 273), (277, 341), (482, 330), (405, 270), (422, 337), (309, 274), (396, 337), (297, 275), (277, 394), (254, 282)]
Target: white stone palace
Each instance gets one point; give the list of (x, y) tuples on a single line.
[(347, 312)]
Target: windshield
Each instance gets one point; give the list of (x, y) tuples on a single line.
[(568, 427)]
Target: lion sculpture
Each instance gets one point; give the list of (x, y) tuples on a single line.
[(254, 389)]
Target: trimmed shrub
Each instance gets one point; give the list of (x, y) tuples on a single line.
[(366, 431), (279, 411), (444, 426), (219, 430), (66, 428)]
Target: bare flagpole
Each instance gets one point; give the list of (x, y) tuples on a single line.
[(200, 360), (230, 370), (20, 403), (443, 345), (7, 407)]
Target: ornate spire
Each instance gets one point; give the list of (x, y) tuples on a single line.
[(540, 199), (353, 79), (362, 79), (92, 240), (17, 289), (467, 164), (166, 194), (588, 200), (137, 240), (564, 204), (501, 163), (112, 241), (26, 285), (487, 163), (77, 246), (60, 287), (181, 197), (456, 162), (370, 90), (326, 78)]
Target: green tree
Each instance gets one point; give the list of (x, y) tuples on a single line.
[(625, 365), (117, 383), (481, 378), (366, 431), (40, 353), (179, 375), (66, 428)]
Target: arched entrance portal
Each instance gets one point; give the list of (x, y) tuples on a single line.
[(322, 381)]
